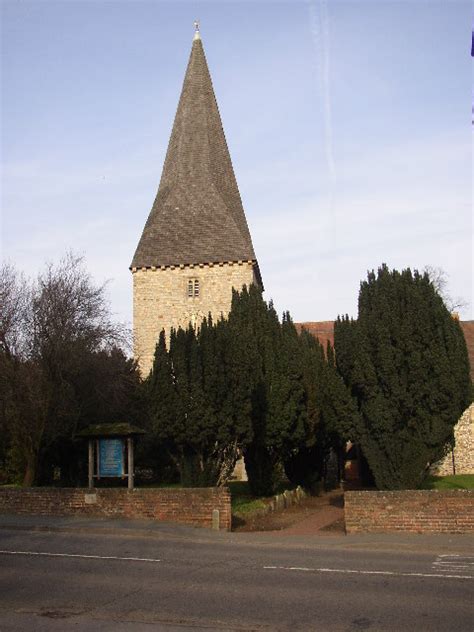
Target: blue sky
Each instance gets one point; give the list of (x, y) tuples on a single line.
[(348, 122)]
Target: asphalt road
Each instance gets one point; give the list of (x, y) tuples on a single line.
[(178, 578)]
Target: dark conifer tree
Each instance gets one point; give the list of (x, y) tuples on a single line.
[(161, 389), (405, 360), (340, 414), (201, 402), (155, 449), (269, 351), (250, 328), (247, 383), (330, 418), (287, 395), (304, 466)]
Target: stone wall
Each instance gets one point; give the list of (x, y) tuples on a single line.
[(239, 473), (188, 506), (461, 459), (161, 301), (412, 511)]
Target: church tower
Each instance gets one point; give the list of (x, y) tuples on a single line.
[(196, 245)]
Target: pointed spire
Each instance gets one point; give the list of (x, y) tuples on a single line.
[(197, 216)]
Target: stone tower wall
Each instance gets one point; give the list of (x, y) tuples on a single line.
[(161, 301), (463, 448)]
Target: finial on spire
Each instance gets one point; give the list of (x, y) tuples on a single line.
[(197, 35)]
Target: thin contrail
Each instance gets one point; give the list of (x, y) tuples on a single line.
[(319, 21)]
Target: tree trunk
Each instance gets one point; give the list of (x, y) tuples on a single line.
[(30, 471)]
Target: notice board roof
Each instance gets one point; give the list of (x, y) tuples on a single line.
[(110, 430)]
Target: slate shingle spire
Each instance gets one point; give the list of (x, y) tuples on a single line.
[(197, 216)]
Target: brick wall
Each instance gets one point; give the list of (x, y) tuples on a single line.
[(412, 511), (189, 506)]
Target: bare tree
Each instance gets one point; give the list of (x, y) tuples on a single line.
[(439, 279), (14, 299), (68, 308), (48, 330)]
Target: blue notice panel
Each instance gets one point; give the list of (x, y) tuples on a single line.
[(111, 457)]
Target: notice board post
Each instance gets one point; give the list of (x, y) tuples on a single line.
[(91, 463), (130, 462)]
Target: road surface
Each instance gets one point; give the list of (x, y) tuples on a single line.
[(190, 579)]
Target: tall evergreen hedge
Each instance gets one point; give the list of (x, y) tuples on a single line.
[(250, 385), (268, 351), (199, 403), (406, 362)]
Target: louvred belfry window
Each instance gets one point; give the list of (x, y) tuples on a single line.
[(193, 288)]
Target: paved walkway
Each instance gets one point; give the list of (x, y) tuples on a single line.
[(325, 517), (317, 523), (315, 515)]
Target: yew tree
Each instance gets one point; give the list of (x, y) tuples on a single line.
[(269, 352), (199, 402), (405, 361)]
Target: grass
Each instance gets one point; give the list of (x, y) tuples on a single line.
[(460, 481), (159, 485), (242, 500)]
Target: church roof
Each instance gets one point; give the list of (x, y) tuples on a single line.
[(197, 216), (324, 330)]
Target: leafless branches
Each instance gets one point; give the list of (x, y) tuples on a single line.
[(439, 279), (51, 328)]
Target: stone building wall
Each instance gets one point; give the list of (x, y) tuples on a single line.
[(461, 459), (161, 301)]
